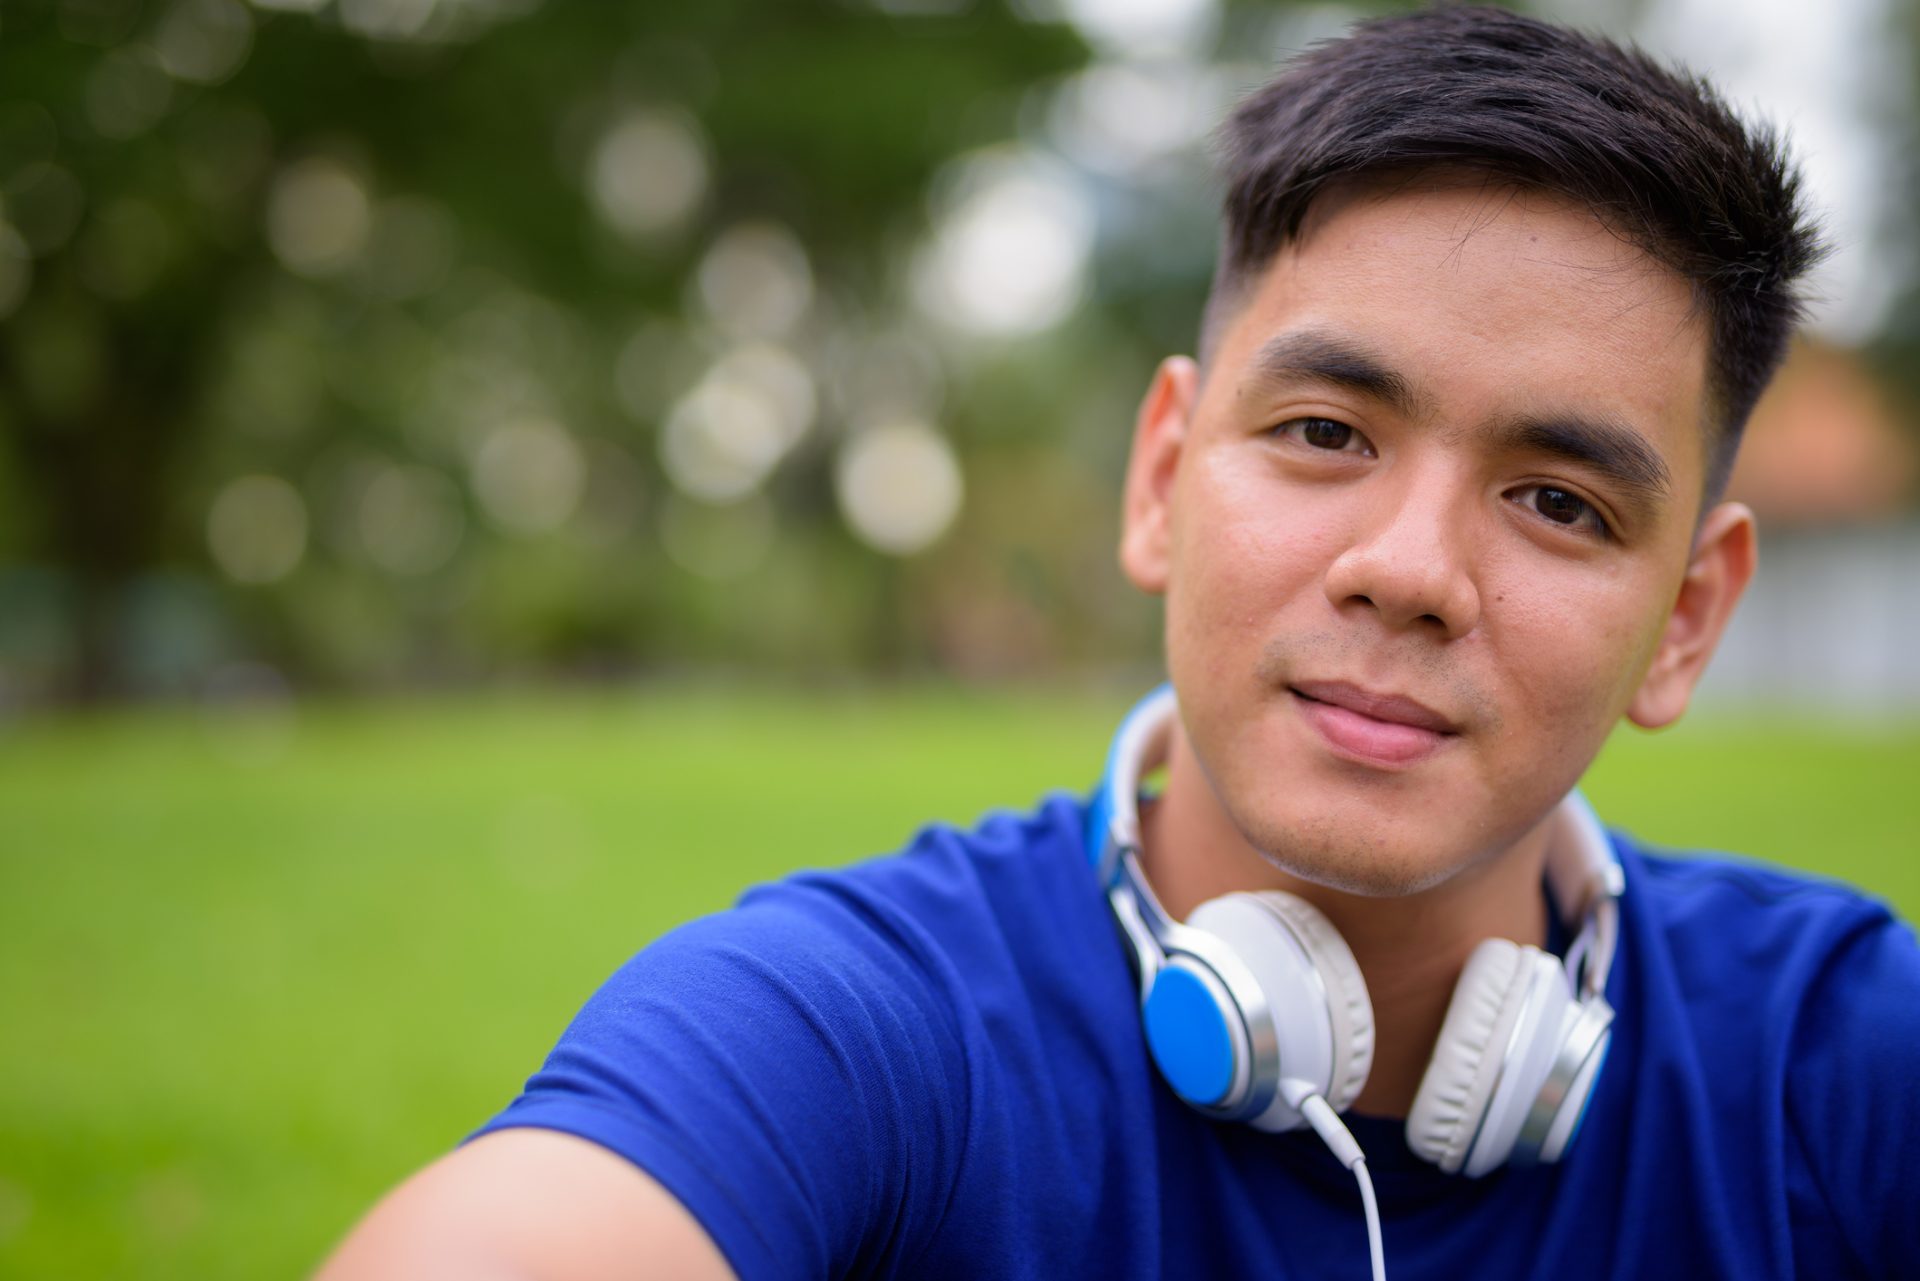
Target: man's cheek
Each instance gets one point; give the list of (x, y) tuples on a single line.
[(1575, 711)]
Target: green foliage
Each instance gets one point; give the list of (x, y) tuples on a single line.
[(253, 970), (167, 343)]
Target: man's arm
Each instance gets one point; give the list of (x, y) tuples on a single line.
[(781, 1071), (528, 1205)]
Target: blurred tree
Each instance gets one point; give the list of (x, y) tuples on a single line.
[(246, 240)]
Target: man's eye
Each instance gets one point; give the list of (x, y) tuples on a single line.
[(1325, 433), (1563, 507)]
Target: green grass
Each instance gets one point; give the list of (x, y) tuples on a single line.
[(251, 974)]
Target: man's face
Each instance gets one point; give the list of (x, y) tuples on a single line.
[(1421, 526)]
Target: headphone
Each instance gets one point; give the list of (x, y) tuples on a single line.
[(1254, 1004)]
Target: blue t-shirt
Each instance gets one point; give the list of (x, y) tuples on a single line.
[(931, 1065)]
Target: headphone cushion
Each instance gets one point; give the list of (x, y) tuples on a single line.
[(1349, 1008), (1460, 1080)]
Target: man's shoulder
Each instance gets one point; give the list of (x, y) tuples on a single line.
[(1787, 1007), (958, 919), (1751, 949), (943, 862), (945, 884), (1693, 893)]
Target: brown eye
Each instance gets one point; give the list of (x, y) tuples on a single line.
[(1323, 436), (1563, 507), (1324, 433), (1559, 506)]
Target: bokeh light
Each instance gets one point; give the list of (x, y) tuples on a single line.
[(1011, 250), (257, 529), (318, 217), (899, 486), (648, 173), (1123, 118), (127, 93), (722, 439), (411, 519), (775, 376), (529, 475), (755, 282), (1145, 26), (203, 41), (387, 19)]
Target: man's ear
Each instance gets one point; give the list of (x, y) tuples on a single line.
[(1724, 555), (1159, 432)]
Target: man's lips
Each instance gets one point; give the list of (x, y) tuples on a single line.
[(1373, 728), (1393, 708)]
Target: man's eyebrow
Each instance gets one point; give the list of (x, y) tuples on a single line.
[(1317, 356), (1604, 445)]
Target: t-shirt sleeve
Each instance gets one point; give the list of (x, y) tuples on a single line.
[(1853, 1097), (792, 1070)]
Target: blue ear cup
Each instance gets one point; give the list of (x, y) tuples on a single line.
[(1257, 988), (1313, 1006), (1194, 1033)]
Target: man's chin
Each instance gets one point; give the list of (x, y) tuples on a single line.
[(1351, 859), (1364, 875)]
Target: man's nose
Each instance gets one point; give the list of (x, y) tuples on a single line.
[(1412, 560)]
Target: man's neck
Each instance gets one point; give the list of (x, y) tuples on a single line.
[(1410, 949)]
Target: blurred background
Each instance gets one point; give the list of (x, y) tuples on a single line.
[(449, 447)]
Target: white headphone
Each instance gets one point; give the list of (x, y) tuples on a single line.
[(1255, 1003)]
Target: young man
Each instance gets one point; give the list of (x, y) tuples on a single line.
[(1437, 508)]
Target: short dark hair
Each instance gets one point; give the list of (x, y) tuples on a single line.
[(1653, 151)]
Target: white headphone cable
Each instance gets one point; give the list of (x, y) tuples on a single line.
[(1340, 1141)]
